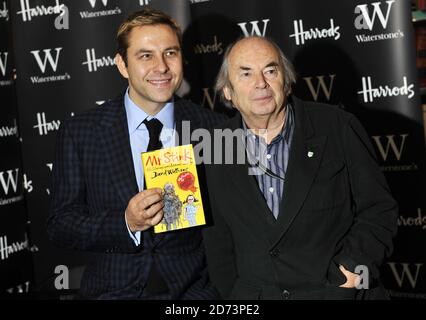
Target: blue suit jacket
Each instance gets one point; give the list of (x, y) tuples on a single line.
[(94, 179)]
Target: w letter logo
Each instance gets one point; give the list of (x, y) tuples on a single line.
[(47, 57), (254, 28), (93, 3), (366, 21)]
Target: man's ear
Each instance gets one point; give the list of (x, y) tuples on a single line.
[(121, 65), (227, 93)]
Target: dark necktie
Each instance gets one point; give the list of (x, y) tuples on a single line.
[(154, 127), (155, 283)]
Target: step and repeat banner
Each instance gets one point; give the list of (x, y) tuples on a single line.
[(355, 54), (15, 257)]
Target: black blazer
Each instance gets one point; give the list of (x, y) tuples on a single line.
[(93, 181), (336, 209)]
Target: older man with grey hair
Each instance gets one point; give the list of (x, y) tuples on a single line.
[(316, 220)]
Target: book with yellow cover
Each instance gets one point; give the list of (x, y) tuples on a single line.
[(174, 171)]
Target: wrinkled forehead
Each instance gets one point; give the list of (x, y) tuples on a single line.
[(253, 52)]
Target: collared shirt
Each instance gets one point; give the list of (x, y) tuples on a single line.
[(274, 158), (139, 137)]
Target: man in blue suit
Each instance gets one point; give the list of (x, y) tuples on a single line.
[(100, 203)]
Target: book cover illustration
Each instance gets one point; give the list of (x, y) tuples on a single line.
[(174, 171)]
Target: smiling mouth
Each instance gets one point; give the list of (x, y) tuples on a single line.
[(160, 82)]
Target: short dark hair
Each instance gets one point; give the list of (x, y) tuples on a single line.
[(145, 17)]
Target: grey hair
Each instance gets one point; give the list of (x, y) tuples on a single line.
[(222, 79)]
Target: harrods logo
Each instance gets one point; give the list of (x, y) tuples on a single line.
[(43, 126), (9, 131), (7, 249), (301, 35), (370, 17), (93, 63), (418, 221), (28, 12), (214, 47), (100, 13), (320, 86), (255, 30), (370, 93), (4, 12), (43, 63)]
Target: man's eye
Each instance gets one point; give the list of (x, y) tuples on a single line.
[(170, 53), (145, 56), (271, 71), (245, 74)]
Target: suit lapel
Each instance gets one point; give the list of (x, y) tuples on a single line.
[(114, 139), (305, 158)]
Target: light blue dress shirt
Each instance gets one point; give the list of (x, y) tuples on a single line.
[(139, 138)]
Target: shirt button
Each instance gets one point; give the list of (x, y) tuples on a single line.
[(268, 156), (271, 189), (286, 294)]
